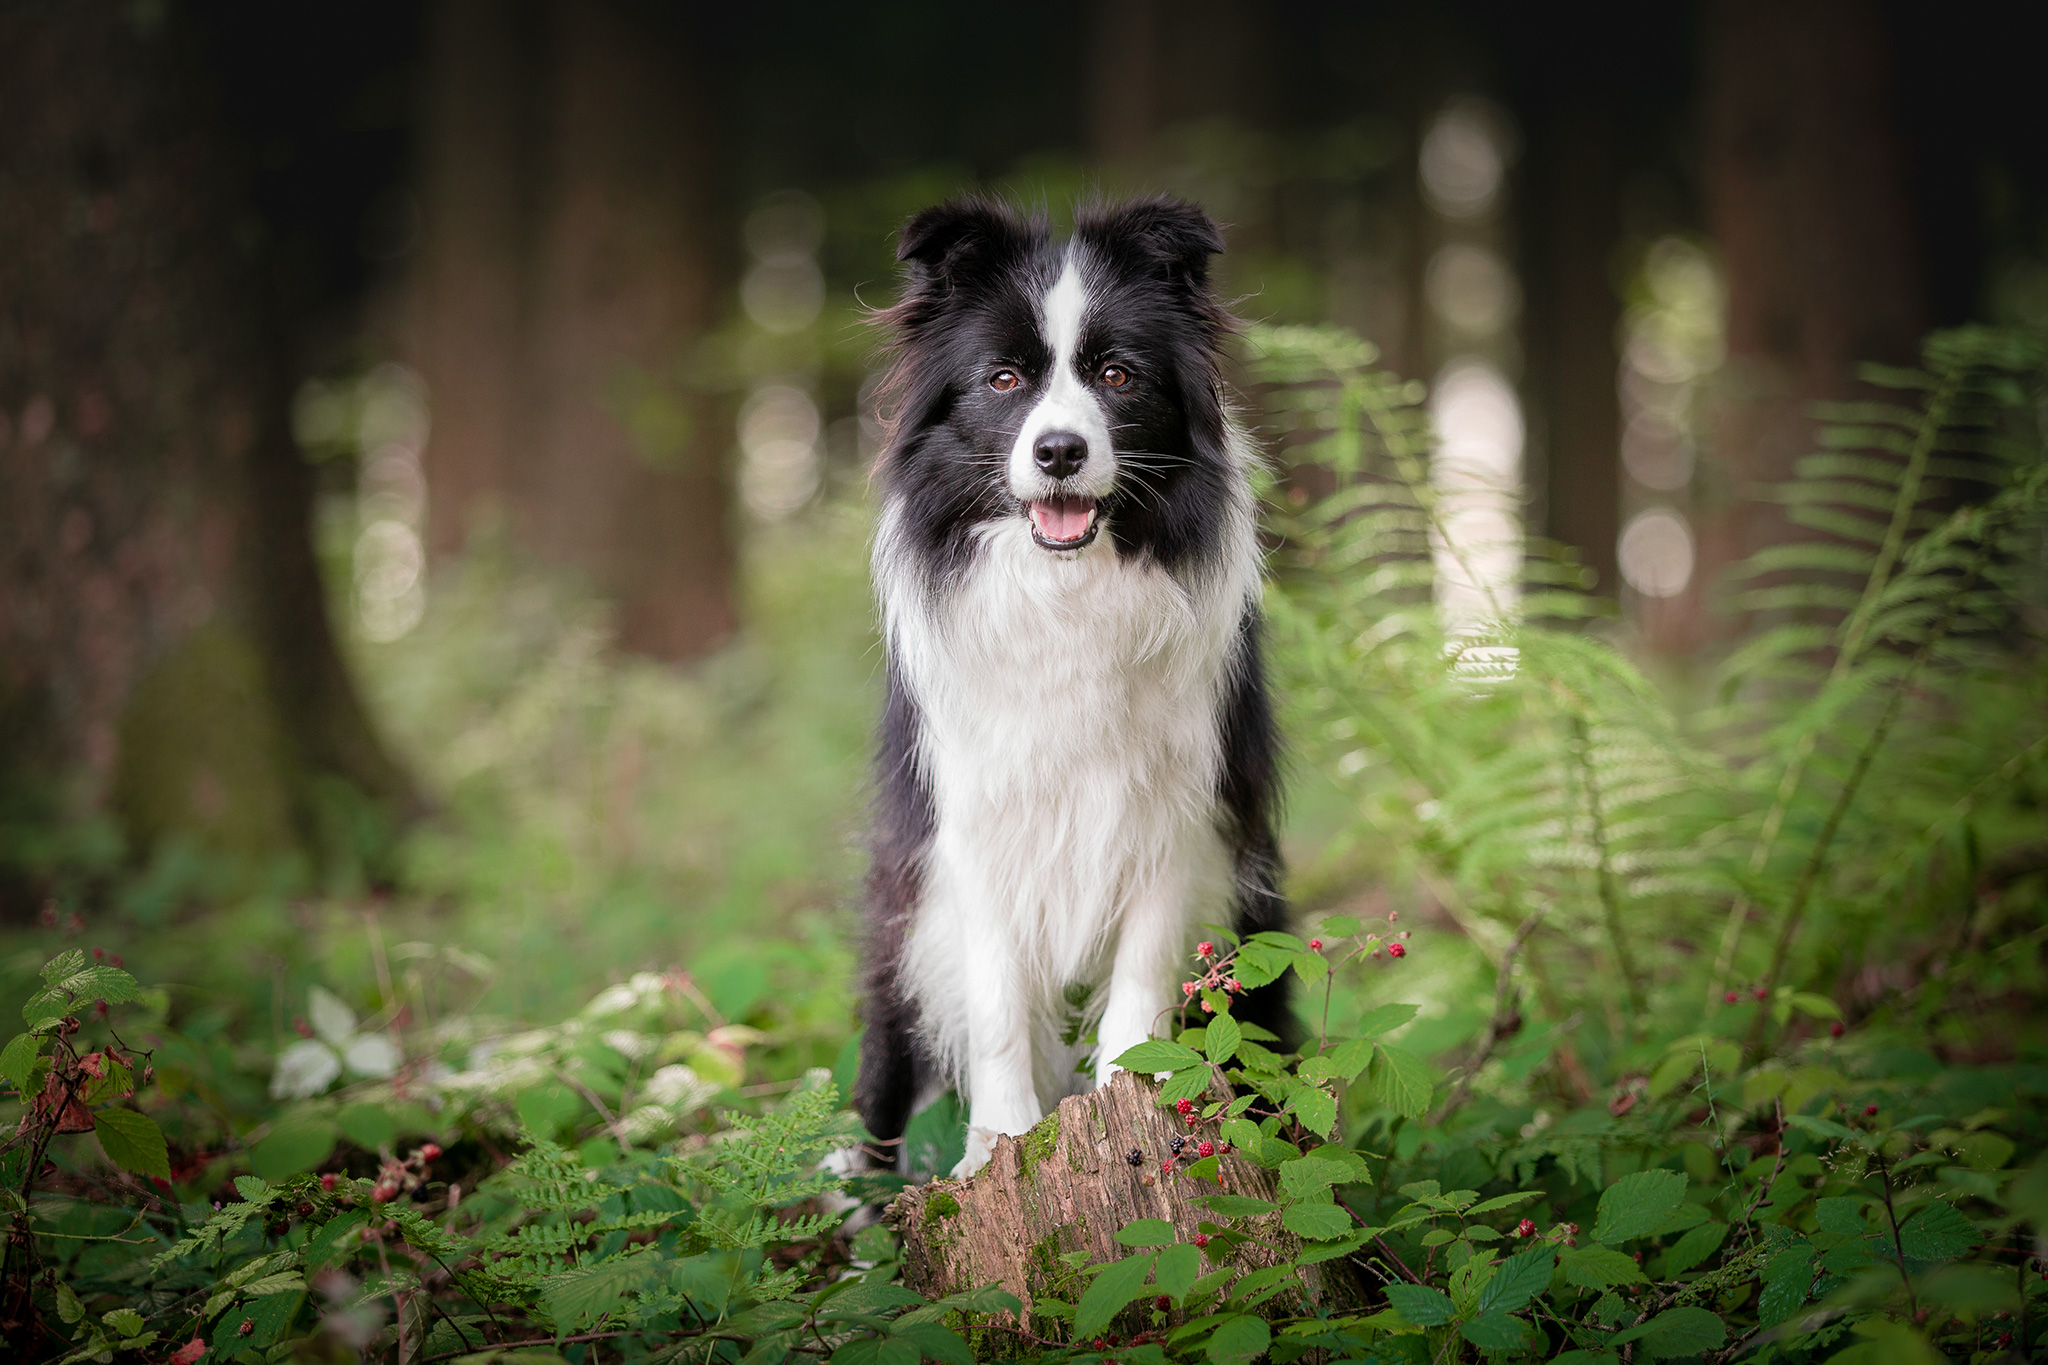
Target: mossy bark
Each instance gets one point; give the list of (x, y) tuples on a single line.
[(1067, 1186)]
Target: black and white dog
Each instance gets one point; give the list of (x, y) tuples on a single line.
[(1077, 760)]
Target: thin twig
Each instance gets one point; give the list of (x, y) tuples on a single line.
[(1898, 1245)]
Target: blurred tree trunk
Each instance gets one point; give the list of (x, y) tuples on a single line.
[(573, 257), (1571, 228), (165, 652), (1807, 201)]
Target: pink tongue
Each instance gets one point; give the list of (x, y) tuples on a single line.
[(1066, 519)]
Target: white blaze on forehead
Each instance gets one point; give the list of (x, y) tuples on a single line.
[(1066, 401), (1064, 307)]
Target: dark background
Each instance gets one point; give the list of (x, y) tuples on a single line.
[(532, 218)]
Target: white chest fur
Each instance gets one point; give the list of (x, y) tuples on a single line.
[(1070, 740)]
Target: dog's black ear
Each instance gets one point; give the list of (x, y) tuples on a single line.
[(948, 239), (1175, 235)]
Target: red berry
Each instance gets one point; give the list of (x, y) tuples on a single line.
[(1166, 1167), (1837, 1029), (1193, 1119), (1316, 944), (115, 959), (431, 1150), (1208, 1008), (1525, 1228), (159, 1182), (1205, 949), (1201, 1239), (1187, 988), (1162, 1303), (1760, 992), (1731, 997), (304, 1029), (1183, 1106), (1206, 1149), (248, 1327), (1397, 950), (99, 954), (1869, 1111), (327, 1181)]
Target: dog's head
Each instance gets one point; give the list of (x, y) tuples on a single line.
[(1070, 384)]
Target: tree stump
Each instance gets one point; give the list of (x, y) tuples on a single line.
[(1068, 1185)]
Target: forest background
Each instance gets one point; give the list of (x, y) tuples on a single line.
[(433, 444)]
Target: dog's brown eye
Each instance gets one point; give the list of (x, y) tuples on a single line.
[(1002, 381), (1116, 376)]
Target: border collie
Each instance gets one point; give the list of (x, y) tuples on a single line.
[(1077, 762)]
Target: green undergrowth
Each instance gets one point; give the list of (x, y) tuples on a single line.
[(1642, 1022)]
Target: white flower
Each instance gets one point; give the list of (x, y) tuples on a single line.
[(305, 1068), (613, 999), (680, 1088)]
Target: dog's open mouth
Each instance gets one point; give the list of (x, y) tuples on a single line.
[(1063, 523)]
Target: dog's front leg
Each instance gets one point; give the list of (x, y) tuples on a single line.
[(1142, 979), (1001, 1095)]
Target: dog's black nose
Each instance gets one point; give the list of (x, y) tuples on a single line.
[(1059, 453)]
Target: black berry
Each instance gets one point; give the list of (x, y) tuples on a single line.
[(1177, 1142), (1135, 1157)]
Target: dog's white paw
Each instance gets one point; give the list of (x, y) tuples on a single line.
[(981, 1144)]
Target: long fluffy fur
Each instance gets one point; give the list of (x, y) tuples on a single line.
[(1077, 762)]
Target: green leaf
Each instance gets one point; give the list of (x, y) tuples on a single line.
[(1147, 1232), (935, 1341), (1677, 1332), (1520, 1278), (268, 1318), (877, 1351), (1698, 1244), (19, 1060), (251, 1188), (1383, 1019), (1237, 1205), (1115, 1285), (989, 1298), (294, 1145), (1260, 963), (1155, 1054), (1313, 1107), (1316, 1222), (1502, 1201), (583, 1295), (1347, 1059), (1600, 1267), (125, 1321), (1240, 1340), (1787, 1277), (1176, 1269), (1309, 1176), (1637, 1205), (1222, 1039), (1312, 968), (1841, 1216), (334, 1242), (1937, 1233), (1419, 1304), (1401, 1080), (368, 1126), (1191, 1084), (133, 1142), (1496, 1332), (1826, 1128)]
